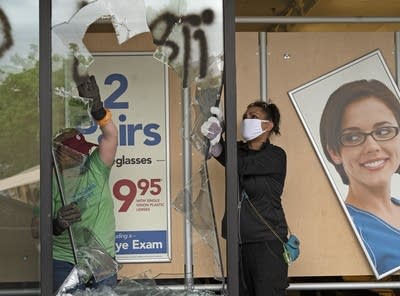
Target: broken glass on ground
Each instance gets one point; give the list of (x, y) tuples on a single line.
[(146, 287)]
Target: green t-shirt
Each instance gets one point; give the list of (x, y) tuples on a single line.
[(91, 192)]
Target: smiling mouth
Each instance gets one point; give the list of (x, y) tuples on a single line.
[(374, 164)]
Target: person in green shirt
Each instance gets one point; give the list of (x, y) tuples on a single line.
[(83, 171)]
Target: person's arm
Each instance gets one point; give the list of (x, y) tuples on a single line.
[(221, 156), (108, 143), (88, 88)]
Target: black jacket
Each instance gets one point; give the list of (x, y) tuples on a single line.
[(262, 175)]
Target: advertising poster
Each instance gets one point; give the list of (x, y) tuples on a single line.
[(352, 117), (135, 88)]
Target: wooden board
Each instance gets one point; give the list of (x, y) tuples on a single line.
[(329, 246)]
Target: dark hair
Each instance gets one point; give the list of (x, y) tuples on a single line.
[(272, 113), (331, 120)]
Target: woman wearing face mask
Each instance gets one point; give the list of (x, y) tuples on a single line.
[(261, 171), (359, 134)]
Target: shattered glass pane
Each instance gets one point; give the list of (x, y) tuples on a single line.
[(68, 35), (77, 109), (202, 215), (127, 17), (94, 260), (63, 10), (142, 285), (70, 283), (72, 175), (205, 99), (189, 36)]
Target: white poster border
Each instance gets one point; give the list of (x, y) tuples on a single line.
[(325, 84), (162, 257)]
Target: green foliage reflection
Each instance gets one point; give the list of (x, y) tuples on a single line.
[(19, 112)]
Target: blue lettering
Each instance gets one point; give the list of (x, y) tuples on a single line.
[(128, 132), (148, 131), (122, 130), (131, 133), (111, 101)]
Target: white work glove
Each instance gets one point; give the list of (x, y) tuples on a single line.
[(212, 130), (220, 115)]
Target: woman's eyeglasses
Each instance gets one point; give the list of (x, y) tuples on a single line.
[(380, 134)]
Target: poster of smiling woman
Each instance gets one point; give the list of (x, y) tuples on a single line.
[(352, 117)]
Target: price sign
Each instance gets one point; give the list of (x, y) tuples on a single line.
[(143, 185), (134, 88)]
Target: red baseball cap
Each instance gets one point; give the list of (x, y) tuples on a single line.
[(78, 143)]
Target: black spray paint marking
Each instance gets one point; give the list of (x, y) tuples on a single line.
[(6, 32), (167, 21)]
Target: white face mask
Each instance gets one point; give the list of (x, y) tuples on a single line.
[(251, 128)]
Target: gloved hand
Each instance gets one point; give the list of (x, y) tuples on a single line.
[(212, 130), (220, 115), (88, 88), (215, 150), (213, 127), (66, 216)]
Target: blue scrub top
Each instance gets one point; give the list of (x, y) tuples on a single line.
[(381, 240)]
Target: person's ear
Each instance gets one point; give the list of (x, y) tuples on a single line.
[(268, 125), (335, 156)]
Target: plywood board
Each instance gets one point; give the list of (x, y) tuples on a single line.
[(329, 246)]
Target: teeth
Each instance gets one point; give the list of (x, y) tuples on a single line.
[(374, 164)]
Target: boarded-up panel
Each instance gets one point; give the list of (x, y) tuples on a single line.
[(328, 244), (313, 212)]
